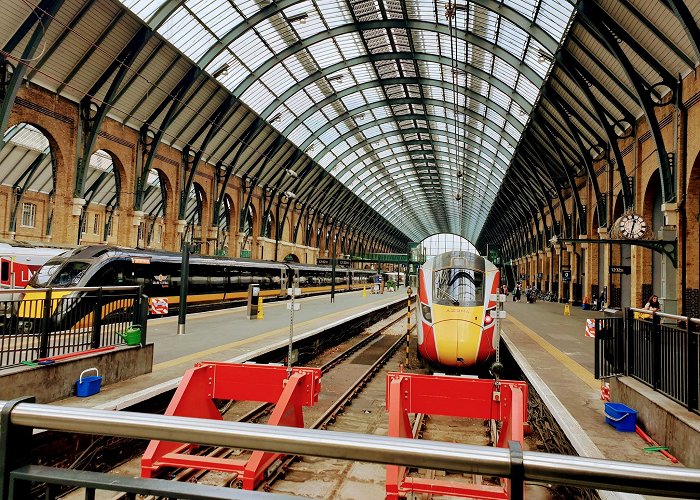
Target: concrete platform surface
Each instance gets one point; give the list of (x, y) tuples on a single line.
[(228, 335), (561, 355)]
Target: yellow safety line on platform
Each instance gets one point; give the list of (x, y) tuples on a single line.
[(569, 363), (198, 356)]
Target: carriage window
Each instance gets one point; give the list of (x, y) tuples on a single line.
[(458, 287), (5, 271)]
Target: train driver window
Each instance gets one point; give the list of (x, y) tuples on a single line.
[(457, 287)]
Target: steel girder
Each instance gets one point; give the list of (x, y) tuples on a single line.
[(11, 76), (571, 67), (682, 13), (610, 33), (417, 56), (191, 161), (150, 139), (230, 167)]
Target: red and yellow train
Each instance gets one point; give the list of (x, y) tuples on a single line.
[(456, 311)]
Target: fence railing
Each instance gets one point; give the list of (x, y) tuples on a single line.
[(42, 323), (663, 352), (660, 350), (18, 418)]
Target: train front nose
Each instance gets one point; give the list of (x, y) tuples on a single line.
[(457, 342)]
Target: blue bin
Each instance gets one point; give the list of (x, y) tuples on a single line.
[(87, 386), (621, 417)]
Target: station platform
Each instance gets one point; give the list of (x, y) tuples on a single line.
[(228, 335), (558, 360)]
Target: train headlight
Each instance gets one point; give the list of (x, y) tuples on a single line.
[(425, 309), (488, 319)]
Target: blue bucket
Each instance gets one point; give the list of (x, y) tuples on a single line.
[(621, 417), (87, 386)]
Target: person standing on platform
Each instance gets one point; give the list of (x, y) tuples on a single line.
[(653, 304)]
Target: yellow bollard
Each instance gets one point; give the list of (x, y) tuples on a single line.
[(567, 309), (261, 314), (364, 291)]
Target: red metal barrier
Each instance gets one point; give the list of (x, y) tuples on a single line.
[(243, 382), (505, 401)]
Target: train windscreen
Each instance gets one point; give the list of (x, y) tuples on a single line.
[(59, 274), (458, 287)]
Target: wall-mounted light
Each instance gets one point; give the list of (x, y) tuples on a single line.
[(289, 195), (298, 18), (291, 173)]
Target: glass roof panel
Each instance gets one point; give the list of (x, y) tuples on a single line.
[(488, 61)]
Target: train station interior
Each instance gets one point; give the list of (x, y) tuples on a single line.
[(198, 193)]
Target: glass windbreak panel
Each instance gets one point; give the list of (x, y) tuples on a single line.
[(458, 287)]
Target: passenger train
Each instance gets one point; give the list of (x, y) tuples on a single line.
[(456, 313), (19, 261), (212, 280)]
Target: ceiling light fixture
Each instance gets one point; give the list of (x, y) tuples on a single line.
[(335, 78), (298, 18), (276, 118), (544, 57), (221, 71)]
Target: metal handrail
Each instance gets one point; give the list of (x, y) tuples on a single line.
[(676, 317), (540, 467), (72, 289)]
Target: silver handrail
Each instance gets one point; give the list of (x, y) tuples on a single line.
[(676, 317), (541, 467)]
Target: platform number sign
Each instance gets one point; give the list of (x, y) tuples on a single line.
[(566, 275), (494, 255)]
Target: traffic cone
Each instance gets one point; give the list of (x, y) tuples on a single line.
[(261, 313)]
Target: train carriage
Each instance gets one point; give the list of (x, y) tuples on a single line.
[(456, 325), (212, 280)]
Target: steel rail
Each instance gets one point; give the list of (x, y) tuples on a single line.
[(554, 468)]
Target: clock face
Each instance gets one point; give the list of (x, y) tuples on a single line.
[(632, 226)]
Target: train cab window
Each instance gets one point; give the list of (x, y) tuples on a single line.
[(459, 287), (5, 271), (70, 274), (43, 276)]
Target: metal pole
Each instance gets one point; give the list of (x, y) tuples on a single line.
[(184, 278), (291, 326), (408, 325), (333, 262)]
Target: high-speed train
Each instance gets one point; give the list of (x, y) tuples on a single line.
[(211, 280), (456, 313)]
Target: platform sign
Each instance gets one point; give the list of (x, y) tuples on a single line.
[(566, 274), (323, 262), (620, 269), (158, 305), (297, 306), (297, 292)]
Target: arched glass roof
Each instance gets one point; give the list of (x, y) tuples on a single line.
[(416, 105)]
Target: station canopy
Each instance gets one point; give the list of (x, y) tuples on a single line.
[(417, 106), (398, 118)]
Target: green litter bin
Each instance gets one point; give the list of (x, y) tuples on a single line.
[(132, 335)]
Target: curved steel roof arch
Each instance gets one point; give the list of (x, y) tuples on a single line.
[(443, 61), (426, 82)]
